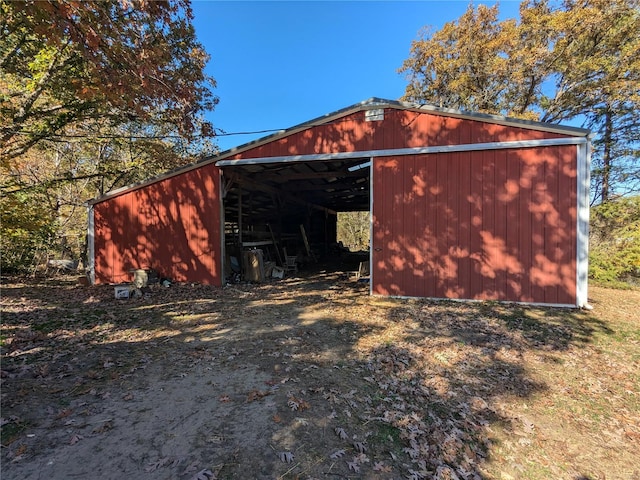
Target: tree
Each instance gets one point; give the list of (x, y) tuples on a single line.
[(614, 241), (64, 63), (574, 60), (463, 65), (93, 96), (354, 229)]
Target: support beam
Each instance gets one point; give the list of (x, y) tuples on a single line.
[(334, 187), (309, 176), (252, 184)]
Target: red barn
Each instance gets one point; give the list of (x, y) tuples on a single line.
[(463, 205)]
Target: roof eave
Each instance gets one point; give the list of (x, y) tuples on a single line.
[(486, 117)]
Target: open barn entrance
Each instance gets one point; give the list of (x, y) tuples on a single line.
[(281, 218)]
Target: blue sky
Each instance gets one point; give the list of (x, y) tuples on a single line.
[(281, 63)]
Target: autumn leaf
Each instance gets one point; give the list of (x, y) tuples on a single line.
[(192, 467), (354, 467), (361, 458), (286, 457), (105, 426), (64, 413), (341, 433), (381, 467), (528, 425), (204, 474), (297, 404), (153, 466), (338, 454), (256, 395), (360, 447)]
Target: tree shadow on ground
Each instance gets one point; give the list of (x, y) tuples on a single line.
[(348, 384)]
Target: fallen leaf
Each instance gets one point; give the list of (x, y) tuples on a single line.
[(338, 454), (286, 457), (360, 447), (256, 395), (224, 399), (153, 466), (361, 458), (192, 467), (297, 404), (64, 413), (204, 474), (528, 426), (277, 418), (353, 466), (341, 433), (381, 467), (108, 425), (20, 450), (75, 439)]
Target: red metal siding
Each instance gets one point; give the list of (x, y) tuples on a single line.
[(172, 226), (487, 225), (399, 129)]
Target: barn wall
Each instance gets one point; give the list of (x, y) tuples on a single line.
[(172, 226), (399, 129), (487, 225)]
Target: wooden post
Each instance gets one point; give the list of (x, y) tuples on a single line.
[(240, 217), (275, 245), (306, 243)]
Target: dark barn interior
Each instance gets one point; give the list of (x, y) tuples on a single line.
[(289, 209)]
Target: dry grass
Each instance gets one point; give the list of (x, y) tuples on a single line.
[(357, 386)]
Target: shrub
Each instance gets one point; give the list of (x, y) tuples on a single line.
[(614, 251), (24, 230)]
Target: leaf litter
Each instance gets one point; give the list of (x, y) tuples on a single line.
[(425, 389)]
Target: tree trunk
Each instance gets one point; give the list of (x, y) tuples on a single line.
[(606, 154)]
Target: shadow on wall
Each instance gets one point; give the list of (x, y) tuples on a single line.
[(399, 129), (489, 225), (484, 225), (172, 226)]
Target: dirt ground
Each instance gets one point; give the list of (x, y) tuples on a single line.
[(310, 377)]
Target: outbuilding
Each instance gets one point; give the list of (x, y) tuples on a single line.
[(463, 205)]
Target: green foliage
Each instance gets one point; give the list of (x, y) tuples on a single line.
[(93, 96), (24, 229), (354, 230), (64, 63), (614, 254)]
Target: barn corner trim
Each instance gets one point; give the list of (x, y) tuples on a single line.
[(91, 249), (582, 219)]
